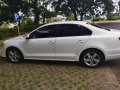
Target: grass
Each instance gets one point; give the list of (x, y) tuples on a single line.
[(44, 75)]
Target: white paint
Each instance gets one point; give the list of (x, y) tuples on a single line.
[(67, 48)]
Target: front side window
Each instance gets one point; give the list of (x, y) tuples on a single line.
[(45, 32), (70, 30)]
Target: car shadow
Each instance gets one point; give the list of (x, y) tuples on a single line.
[(115, 67), (51, 62), (63, 63)]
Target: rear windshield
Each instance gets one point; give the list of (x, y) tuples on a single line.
[(96, 25)]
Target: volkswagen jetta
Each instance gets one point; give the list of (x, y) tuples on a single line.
[(65, 41)]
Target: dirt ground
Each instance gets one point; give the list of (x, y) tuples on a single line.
[(51, 75)]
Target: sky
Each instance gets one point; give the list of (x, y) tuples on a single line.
[(116, 0)]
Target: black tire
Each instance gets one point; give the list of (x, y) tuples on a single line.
[(92, 58), (19, 56)]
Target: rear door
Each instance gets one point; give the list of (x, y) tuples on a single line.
[(69, 41)]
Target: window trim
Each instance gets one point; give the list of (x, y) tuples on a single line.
[(86, 28), (59, 29), (44, 27)]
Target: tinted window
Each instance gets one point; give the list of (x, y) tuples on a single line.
[(45, 32), (86, 31), (70, 30)]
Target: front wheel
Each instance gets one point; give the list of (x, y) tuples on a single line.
[(14, 55), (92, 58)]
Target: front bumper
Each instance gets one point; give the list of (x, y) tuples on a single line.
[(3, 52)]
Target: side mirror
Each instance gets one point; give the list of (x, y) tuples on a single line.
[(27, 37)]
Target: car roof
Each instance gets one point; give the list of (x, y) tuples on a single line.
[(67, 22), (83, 23)]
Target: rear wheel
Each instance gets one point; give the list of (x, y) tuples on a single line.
[(92, 58), (14, 55)]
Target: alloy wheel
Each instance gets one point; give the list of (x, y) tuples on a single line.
[(14, 56), (91, 59)]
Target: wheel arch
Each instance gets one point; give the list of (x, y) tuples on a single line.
[(92, 49), (14, 48)]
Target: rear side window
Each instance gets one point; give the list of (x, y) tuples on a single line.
[(70, 30), (86, 31)]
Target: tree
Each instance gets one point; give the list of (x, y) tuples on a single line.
[(70, 17), (8, 9), (35, 5), (108, 7), (39, 8), (119, 8), (79, 7)]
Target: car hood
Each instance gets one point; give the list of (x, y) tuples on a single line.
[(18, 38)]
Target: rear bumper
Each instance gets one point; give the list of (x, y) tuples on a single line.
[(112, 57)]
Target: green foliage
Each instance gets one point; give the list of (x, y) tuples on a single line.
[(7, 32), (108, 5), (5, 25), (9, 8), (11, 32), (27, 21), (49, 14), (70, 17), (53, 20), (113, 17), (28, 27), (39, 9), (81, 7), (98, 19)]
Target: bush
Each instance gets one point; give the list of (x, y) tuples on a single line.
[(112, 17), (28, 28), (98, 19), (54, 19), (7, 32), (11, 32), (70, 17), (27, 21), (5, 25)]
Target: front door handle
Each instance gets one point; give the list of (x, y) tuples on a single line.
[(50, 42), (80, 41)]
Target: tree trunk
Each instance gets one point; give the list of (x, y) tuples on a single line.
[(108, 16), (81, 17), (36, 20), (43, 20), (75, 16), (43, 16)]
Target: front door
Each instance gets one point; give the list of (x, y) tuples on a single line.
[(42, 43)]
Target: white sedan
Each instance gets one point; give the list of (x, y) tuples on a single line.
[(65, 41)]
